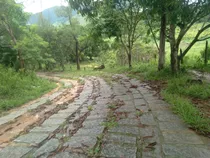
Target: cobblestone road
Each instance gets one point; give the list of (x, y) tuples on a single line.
[(121, 120)]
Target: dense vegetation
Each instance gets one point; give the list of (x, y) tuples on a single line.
[(158, 40), (18, 88)]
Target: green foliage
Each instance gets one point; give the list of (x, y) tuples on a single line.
[(34, 49), (18, 88)]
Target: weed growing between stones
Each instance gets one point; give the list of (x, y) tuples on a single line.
[(96, 150), (90, 108)]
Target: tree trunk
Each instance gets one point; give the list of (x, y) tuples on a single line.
[(206, 54), (174, 50), (180, 59), (10, 31), (77, 55), (161, 61), (129, 58)]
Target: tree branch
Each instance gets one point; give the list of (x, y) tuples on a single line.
[(153, 34), (195, 40)]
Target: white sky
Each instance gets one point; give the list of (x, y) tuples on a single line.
[(35, 6)]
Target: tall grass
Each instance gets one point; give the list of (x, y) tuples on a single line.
[(18, 88)]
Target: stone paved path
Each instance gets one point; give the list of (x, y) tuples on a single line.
[(124, 120)]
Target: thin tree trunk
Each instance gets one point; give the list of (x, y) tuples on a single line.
[(161, 61), (10, 31), (129, 59), (77, 55), (206, 54), (174, 50), (180, 59)]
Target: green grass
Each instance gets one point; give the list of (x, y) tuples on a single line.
[(189, 113), (181, 86), (19, 88)]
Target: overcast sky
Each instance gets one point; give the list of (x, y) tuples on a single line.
[(35, 6)]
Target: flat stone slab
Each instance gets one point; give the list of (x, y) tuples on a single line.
[(68, 111), (92, 123), (69, 155), (110, 137), (156, 152), (147, 119), (92, 131), (131, 122), (113, 150), (124, 97), (125, 130), (53, 121), (134, 91), (96, 116), (126, 109), (172, 126), (149, 131), (185, 151), (14, 151), (81, 141), (181, 138), (32, 138), (60, 116), (144, 109), (139, 102), (48, 147), (158, 107), (166, 116), (45, 129), (137, 95)]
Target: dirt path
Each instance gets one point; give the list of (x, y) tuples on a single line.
[(35, 112), (121, 120)]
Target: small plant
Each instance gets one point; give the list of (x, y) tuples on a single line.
[(139, 113), (90, 108), (110, 123), (112, 106), (95, 151), (48, 102)]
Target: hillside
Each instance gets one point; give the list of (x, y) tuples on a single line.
[(50, 15)]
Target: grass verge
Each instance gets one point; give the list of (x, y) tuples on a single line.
[(19, 88), (189, 113)]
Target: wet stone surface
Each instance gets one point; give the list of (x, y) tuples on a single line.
[(48, 147), (32, 138), (114, 150), (125, 130), (122, 139), (14, 151)]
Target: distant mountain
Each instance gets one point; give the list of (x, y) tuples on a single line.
[(50, 15)]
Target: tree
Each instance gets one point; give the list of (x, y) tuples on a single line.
[(12, 18), (184, 14), (34, 48), (155, 10), (118, 18), (67, 12)]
